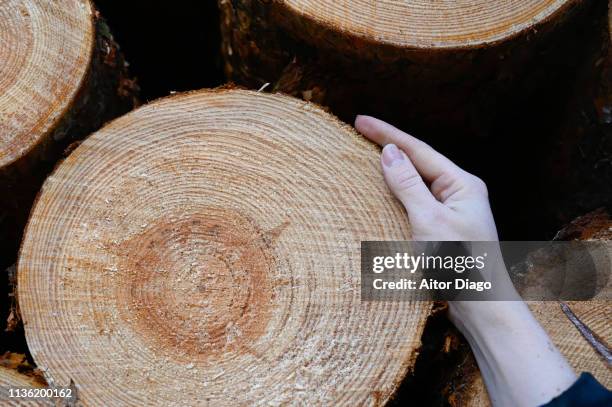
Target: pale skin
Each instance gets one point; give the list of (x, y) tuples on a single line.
[(519, 364)]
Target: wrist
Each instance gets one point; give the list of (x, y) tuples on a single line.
[(513, 352), (485, 321)]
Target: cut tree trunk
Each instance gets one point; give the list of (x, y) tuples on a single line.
[(424, 64), (595, 314), (206, 248), (16, 372), (11, 379), (61, 77)]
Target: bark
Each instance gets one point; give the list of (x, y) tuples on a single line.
[(19, 364), (17, 373), (464, 88), (594, 225), (106, 93)]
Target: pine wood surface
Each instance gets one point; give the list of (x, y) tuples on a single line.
[(10, 378), (45, 53), (205, 249), (423, 24), (61, 77)]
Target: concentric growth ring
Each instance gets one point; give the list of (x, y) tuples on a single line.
[(205, 248), (45, 52), (428, 24)]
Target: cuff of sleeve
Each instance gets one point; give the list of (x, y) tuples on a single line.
[(585, 392)]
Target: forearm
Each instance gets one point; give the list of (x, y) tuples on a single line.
[(519, 363)]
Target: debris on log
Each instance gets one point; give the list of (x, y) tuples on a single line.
[(61, 77), (10, 379), (205, 248), (16, 371), (580, 354)]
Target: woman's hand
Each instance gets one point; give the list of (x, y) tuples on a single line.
[(443, 201), (519, 364)]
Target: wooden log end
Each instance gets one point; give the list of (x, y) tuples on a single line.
[(41, 70), (423, 24), (206, 247), (61, 77)]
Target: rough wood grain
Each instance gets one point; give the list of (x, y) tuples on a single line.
[(10, 378), (17, 372), (442, 64), (61, 77), (205, 249), (422, 24)]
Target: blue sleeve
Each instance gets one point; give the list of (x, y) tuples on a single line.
[(586, 392)]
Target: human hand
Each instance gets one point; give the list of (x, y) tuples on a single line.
[(519, 364), (443, 201)]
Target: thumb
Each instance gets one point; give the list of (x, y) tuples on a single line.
[(405, 181)]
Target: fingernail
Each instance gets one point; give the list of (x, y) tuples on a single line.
[(392, 155), (358, 118)]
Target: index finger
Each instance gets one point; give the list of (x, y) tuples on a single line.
[(428, 162)]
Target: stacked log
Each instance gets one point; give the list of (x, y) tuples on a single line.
[(61, 77), (422, 65), (205, 249), (17, 373)]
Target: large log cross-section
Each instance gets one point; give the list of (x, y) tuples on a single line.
[(206, 247)]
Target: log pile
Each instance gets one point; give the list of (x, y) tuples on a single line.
[(399, 60), (61, 77), (206, 247)]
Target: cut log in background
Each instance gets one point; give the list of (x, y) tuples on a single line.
[(9, 378), (206, 248), (61, 76), (485, 82), (425, 65), (16, 372)]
